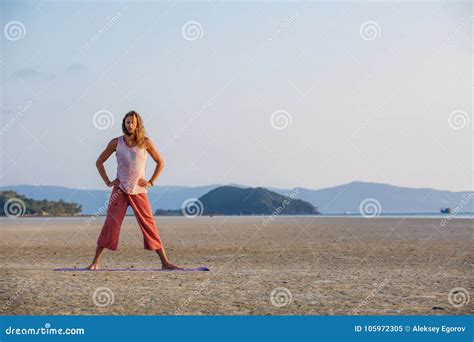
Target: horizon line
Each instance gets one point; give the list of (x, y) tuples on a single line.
[(246, 186)]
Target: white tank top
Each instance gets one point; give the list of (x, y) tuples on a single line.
[(131, 164)]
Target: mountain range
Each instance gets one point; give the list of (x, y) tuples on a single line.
[(340, 199)]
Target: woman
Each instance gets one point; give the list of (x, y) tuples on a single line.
[(130, 188)]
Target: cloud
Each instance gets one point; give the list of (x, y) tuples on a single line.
[(76, 67), (31, 74)]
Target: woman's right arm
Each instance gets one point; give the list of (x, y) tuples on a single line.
[(101, 160)]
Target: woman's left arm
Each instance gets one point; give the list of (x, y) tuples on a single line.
[(150, 147)]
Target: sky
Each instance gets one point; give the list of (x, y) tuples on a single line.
[(276, 94)]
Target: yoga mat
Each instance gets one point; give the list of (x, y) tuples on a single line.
[(132, 269)]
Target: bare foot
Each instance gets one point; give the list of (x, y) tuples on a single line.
[(170, 266), (94, 266)]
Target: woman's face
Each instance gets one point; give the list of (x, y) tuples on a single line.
[(131, 124)]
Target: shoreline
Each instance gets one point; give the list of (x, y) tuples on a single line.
[(388, 215)]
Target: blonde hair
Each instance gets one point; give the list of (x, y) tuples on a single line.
[(140, 132)]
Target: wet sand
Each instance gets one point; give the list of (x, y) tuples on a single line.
[(290, 266)]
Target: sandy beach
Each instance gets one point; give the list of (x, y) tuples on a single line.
[(289, 266)]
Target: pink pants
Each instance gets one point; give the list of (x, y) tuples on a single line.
[(118, 204)]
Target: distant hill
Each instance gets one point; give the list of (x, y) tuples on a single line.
[(12, 203), (230, 200), (333, 200)]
